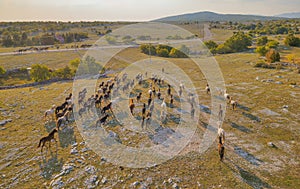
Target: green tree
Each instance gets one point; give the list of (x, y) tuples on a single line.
[(2, 71), (148, 48), (175, 53), (223, 49), (163, 52), (291, 58), (75, 63), (40, 72), (261, 50), (272, 44), (272, 56), (7, 40), (238, 42), (212, 46), (64, 73), (292, 40), (262, 41)]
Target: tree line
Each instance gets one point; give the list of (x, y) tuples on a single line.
[(16, 39)]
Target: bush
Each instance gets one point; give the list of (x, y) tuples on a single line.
[(291, 40), (272, 44), (162, 52), (238, 42), (261, 50), (148, 48), (262, 41), (175, 53), (64, 73), (39, 72), (2, 71), (272, 56)]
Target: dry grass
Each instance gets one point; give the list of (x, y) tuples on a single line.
[(277, 167)]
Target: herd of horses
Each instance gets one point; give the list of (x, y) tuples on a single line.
[(101, 100)]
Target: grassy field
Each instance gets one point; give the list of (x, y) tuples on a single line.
[(249, 161)]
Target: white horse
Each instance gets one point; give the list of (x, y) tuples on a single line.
[(50, 112), (226, 96), (163, 105)]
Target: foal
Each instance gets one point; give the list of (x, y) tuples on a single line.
[(233, 103), (47, 139)]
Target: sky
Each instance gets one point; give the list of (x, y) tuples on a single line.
[(134, 10)]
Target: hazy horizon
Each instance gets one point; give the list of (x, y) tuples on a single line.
[(134, 10)]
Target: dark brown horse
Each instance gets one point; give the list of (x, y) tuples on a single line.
[(47, 139), (221, 149), (102, 120)]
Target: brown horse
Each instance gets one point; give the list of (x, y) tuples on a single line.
[(47, 139), (131, 106), (221, 149)]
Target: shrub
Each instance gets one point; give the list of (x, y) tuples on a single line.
[(261, 50), (272, 56), (39, 72), (291, 40)]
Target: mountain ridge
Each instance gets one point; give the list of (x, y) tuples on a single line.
[(212, 16)]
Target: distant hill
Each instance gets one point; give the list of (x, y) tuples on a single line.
[(211, 16), (290, 15)]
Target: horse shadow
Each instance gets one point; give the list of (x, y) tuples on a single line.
[(247, 156), (66, 136), (252, 117), (50, 166), (245, 108), (249, 178), (240, 127), (204, 109), (207, 126)]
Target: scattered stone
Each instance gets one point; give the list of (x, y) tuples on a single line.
[(80, 161), (257, 78), (3, 122), (278, 82), (285, 106), (92, 181), (70, 180), (22, 107), (85, 149), (136, 183), (82, 143), (74, 151), (170, 180), (66, 169), (271, 144), (74, 145), (103, 159), (58, 183), (90, 169), (104, 180), (175, 186)]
